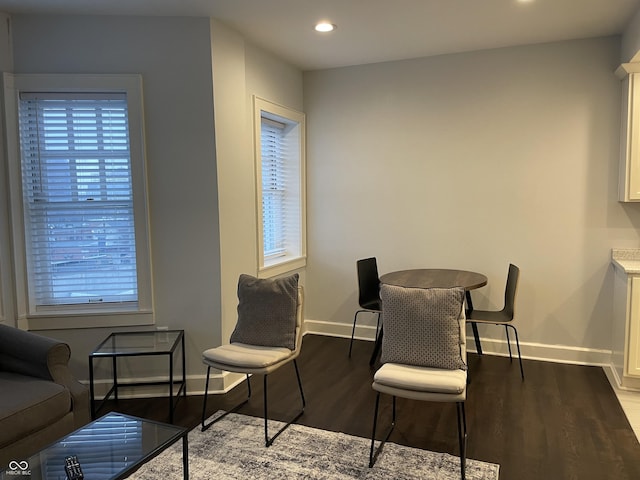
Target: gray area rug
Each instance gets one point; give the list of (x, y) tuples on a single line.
[(234, 448)]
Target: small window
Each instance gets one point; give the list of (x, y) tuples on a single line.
[(84, 241), (281, 188)]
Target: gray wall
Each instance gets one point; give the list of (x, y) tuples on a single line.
[(473, 161), (240, 71), (174, 57), (200, 160)]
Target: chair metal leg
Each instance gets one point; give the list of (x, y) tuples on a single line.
[(474, 325), (233, 410), (506, 329), (476, 336), (377, 346), (353, 330), (269, 441), (373, 433), (518, 345), (373, 456), (204, 402), (462, 437), (304, 402), (266, 427)]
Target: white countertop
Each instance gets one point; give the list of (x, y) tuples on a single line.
[(628, 259)]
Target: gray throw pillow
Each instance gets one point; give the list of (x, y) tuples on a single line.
[(421, 326), (267, 311)]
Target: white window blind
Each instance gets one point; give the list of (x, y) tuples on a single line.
[(274, 187), (77, 188)]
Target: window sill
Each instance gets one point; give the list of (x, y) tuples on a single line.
[(60, 321), (281, 266)]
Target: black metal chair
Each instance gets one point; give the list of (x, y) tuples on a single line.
[(368, 292), (504, 316)]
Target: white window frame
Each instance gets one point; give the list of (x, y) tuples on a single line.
[(31, 316), (294, 256), (6, 302)]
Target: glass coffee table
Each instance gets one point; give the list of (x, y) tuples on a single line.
[(134, 344), (109, 448)]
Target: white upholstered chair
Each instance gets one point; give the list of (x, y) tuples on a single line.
[(254, 348), (423, 354)]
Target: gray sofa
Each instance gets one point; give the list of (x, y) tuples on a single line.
[(40, 400)]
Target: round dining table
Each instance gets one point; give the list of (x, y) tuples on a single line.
[(434, 278)]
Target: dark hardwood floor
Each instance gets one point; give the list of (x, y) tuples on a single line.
[(563, 422)]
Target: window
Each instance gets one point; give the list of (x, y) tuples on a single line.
[(281, 188), (83, 242)]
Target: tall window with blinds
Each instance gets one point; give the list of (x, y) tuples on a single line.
[(280, 168), (78, 198)]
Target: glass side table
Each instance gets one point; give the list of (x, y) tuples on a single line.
[(135, 344)]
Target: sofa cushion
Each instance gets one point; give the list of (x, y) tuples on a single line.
[(28, 404)]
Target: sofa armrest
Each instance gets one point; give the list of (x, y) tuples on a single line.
[(31, 354), (34, 355)]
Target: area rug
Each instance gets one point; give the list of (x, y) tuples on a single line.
[(234, 449)]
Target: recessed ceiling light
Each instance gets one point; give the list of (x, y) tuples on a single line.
[(325, 27)]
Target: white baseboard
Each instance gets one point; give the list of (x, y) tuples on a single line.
[(613, 377), (331, 329), (529, 350), (219, 383)]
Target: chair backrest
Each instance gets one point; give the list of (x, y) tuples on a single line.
[(368, 281), (510, 290)]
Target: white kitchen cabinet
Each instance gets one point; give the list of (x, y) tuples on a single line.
[(629, 177), (625, 358), (633, 343)]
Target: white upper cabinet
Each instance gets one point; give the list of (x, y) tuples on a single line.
[(629, 180)]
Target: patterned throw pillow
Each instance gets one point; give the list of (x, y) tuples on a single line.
[(267, 311), (421, 326)]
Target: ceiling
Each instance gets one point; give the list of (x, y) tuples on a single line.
[(372, 31)]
